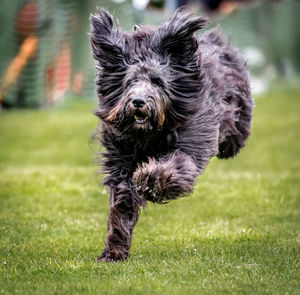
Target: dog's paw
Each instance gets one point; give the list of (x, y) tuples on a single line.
[(148, 193), (148, 180), (166, 179), (112, 255)]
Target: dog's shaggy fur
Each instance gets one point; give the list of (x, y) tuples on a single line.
[(168, 102)]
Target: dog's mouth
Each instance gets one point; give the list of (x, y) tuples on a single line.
[(140, 118)]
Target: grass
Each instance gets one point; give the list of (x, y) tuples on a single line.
[(239, 232)]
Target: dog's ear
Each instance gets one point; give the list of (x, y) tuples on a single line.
[(176, 37), (107, 43)]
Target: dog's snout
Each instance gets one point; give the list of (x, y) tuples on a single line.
[(139, 102)]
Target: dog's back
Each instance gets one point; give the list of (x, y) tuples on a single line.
[(222, 59)]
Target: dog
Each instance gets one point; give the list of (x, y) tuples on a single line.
[(168, 101)]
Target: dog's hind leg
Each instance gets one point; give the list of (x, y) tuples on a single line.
[(166, 178), (125, 205)]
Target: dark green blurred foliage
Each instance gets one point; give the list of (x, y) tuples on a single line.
[(271, 26), (59, 24)]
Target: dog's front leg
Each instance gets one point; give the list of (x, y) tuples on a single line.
[(167, 178), (125, 205)]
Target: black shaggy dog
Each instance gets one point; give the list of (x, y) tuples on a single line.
[(168, 102)]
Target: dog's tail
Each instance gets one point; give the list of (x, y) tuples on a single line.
[(237, 102)]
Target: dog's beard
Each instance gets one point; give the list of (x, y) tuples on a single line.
[(138, 119), (147, 120)]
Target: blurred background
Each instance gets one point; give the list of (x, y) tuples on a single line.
[(45, 54)]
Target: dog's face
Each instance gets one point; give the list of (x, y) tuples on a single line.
[(143, 100), (147, 79)]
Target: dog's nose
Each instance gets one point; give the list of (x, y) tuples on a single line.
[(139, 102)]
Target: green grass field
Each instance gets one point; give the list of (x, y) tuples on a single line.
[(238, 233)]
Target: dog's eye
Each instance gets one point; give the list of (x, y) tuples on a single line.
[(157, 81)]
